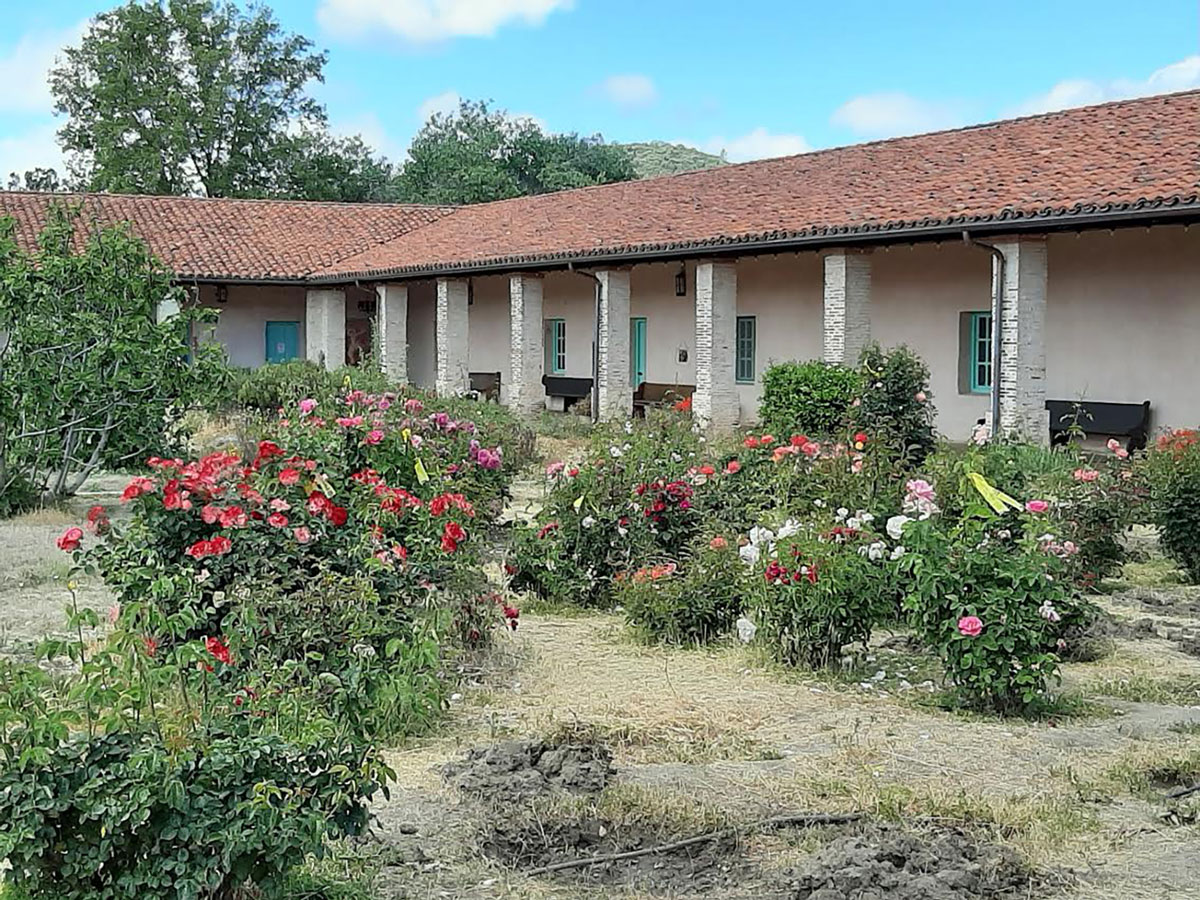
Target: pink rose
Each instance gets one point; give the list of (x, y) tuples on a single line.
[(1037, 506), (1113, 444), (374, 436), (970, 626), (1085, 475), (307, 405), (921, 398), (302, 534)]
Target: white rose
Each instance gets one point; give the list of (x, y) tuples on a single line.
[(895, 526)]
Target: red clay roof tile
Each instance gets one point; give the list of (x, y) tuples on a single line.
[(1116, 155)]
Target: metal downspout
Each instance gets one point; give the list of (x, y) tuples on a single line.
[(997, 320)]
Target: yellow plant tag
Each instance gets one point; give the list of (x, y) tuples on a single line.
[(578, 503), (323, 485), (422, 475), (406, 434), (994, 497)]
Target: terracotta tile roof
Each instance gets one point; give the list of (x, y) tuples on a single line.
[(1137, 152), (233, 239), (1136, 157)]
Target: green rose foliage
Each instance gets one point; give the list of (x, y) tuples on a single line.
[(694, 602), (895, 406), (88, 377), (631, 501), (821, 591), (1172, 470), (994, 603), (809, 397), (125, 815)]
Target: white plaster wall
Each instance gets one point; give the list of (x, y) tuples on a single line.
[(917, 294), (572, 296), (489, 327), (422, 333), (784, 294), (1123, 320), (242, 325), (670, 321)]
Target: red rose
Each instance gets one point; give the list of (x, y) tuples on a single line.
[(289, 476), (69, 540), (733, 467), (337, 515), (277, 520), (219, 650)]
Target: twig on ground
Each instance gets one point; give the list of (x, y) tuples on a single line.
[(802, 820), (1183, 792)]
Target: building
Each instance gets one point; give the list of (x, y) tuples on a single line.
[(1080, 219)]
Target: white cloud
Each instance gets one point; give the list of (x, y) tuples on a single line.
[(756, 144), (25, 67), (1178, 76), (445, 103), (893, 113), (30, 149), (629, 92), (423, 21)]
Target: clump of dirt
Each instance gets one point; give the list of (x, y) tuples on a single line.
[(711, 867), (520, 770), (901, 865)]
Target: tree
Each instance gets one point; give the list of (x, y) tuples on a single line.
[(476, 154), (36, 179), (88, 376), (324, 167), (185, 97)]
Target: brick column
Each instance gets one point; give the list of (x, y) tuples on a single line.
[(453, 345), (524, 391), (1022, 369), (325, 328), (716, 400), (846, 322), (391, 321), (614, 393)]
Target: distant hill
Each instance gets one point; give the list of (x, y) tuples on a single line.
[(652, 158)]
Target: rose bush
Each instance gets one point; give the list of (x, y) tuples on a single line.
[(1172, 469), (992, 595), (693, 602)]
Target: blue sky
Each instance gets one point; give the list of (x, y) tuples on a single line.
[(756, 78)]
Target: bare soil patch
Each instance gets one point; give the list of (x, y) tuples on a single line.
[(516, 770)]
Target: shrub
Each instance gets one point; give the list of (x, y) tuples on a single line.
[(992, 599), (87, 374), (1173, 470), (124, 815), (895, 404), (811, 397), (691, 603), (275, 386), (819, 591), (631, 502)]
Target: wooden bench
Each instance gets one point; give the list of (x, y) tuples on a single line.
[(486, 385), (651, 393), (562, 390), (1128, 420)]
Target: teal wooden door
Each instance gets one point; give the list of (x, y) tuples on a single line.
[(637, 351), (283, 341)]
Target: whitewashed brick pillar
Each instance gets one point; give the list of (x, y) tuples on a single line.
[(716, 399), (524, 391), (1022, 369), (325, 328), (614, 391), (453, 337), (166, 309), (846, 323), (391, 320)]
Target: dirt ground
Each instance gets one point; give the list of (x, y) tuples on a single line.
[(677, 743)]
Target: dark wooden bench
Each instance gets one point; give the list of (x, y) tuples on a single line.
[(563, 390), (1128, 420), (486, 385), (650, 393)]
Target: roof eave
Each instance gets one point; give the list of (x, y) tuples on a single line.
[(1092, 216)]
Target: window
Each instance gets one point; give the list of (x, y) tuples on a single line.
[(556, 346), (744, 365), (980, 353)]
